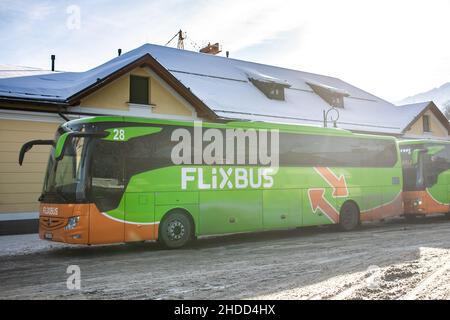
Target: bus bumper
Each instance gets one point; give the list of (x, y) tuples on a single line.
[(85, 224), (422, 203), (68, 223)]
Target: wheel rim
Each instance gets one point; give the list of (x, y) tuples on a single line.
[(175, 230)]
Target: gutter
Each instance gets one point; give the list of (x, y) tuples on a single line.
[(60, 103)]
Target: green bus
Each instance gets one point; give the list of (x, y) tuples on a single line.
[(426, 177), (124, 179)]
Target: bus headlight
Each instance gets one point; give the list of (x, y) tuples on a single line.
[(72, 223), (418, 202)]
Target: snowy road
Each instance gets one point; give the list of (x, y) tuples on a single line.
[(395, 260)]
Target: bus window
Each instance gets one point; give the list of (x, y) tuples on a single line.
[(107, 179), (332, 151), (148, 152)]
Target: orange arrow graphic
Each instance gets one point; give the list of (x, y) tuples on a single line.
[(337, 183), (318, 201)]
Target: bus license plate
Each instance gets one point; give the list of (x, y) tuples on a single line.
[(48, 235)]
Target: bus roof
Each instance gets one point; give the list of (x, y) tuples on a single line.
[(308, 129), (422, 141)]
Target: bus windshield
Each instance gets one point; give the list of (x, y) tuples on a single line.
[(64, 181)]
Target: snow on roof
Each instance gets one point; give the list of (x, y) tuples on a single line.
[(411, 111), (328, 88), (255, 75), (9, 71), (414, 109), (223, 85)]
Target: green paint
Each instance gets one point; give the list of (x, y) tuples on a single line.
[(127, 133), (432, 150), (140, 207), (289, 194), (60, 144)]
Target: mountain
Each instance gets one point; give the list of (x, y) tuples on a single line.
[(439, 96)]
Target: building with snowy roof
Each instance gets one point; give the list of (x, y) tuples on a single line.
[(162, 82)]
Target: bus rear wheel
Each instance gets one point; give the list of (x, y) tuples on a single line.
[(175, 230), (349, 216)]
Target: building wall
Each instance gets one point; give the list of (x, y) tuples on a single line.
[(437, 130), (20, 187), (116, 96)]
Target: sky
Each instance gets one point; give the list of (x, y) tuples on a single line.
[(392, 49)]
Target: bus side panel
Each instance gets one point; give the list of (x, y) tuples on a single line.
[(447, 181), (392, 202), (372, 197), (139, 217), (282, 208), (230, 211), (389, 183), (106, 227), (320, 210)]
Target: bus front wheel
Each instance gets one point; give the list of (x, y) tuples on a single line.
[(175, 230), (349, 216)]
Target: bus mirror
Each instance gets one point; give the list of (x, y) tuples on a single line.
[(68, 136), (27, 147)]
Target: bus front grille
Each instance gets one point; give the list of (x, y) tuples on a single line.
[(50, 223)]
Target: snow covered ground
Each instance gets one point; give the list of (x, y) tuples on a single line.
[(24, 244), (394, 260)]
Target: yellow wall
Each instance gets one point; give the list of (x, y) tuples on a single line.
[(116, 96), (20, 187), (436, 128)]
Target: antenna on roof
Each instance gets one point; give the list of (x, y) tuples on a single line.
[(181, 36)]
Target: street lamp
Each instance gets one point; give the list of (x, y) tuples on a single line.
[(334, 120)]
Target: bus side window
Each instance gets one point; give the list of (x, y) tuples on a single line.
[(107, 179), (148, 153)]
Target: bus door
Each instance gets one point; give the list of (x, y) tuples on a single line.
[(107, 186), (434, 166)]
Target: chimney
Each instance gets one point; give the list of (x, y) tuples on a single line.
[(53, 57), (119, 51), (228, 54), (211, 49)]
